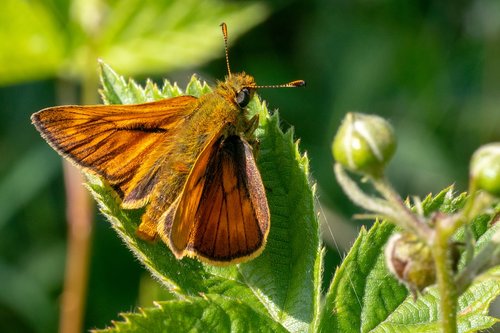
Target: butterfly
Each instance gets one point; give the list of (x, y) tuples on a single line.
[(190, 161)]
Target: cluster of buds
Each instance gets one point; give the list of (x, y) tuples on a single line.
[(364, 144)]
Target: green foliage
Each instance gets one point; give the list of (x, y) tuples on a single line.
[(427, 66), (210, 313), (364, 297), (44, 39), (279, 290)]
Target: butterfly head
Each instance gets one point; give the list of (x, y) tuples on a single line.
[(241, 88), (241, 85)]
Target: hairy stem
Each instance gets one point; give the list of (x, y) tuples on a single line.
[(351, 189), (444, 275), (405, 218)]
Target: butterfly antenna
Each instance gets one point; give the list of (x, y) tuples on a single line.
[(224, 34), (293, 84)]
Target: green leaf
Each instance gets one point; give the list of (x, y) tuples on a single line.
[(210, 313), (47, 38), (283, 282), (364, 297), (422, 315), (197, 88), (362, 292), (31, 41)]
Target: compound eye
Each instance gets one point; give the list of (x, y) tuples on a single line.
[(243, 97)]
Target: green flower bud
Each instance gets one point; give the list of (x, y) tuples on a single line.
[(364, 143), (485, 168), (410, 261)]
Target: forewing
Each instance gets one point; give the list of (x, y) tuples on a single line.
[(115, 141), (222, 216)]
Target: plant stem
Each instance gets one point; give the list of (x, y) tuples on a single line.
[(449, 288), (80, 217), (405, 217), (444, 274), (352, 190)]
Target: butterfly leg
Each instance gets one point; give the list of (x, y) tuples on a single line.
[(253, 124), (147, 230), (249, 133)]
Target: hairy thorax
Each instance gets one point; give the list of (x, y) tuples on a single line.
[(217, 114)]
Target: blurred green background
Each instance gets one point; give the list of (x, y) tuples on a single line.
[(431, 67)]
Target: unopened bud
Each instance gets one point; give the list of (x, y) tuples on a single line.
[(364, 143), (410, 261), (485, 168)]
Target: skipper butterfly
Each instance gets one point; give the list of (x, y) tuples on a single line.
[(189, 160)]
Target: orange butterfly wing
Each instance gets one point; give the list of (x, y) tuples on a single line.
[(117, 142), (222, 214)]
